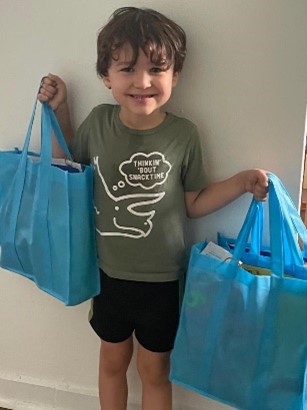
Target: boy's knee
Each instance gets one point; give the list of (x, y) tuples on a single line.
[(154, 372), (113, 367), (154, 376), (114, 360)]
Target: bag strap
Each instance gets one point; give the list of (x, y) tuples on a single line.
[(245, 230), (13, 198), (294, 227), (292, 210), (257, 231), (285, 225), (55, 126), (58, 132)]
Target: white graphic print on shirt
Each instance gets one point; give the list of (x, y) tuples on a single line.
[(141, 170)]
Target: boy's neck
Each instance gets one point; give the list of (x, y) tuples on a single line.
[(141, 122)]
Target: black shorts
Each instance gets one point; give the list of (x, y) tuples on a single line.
[(150, 310)]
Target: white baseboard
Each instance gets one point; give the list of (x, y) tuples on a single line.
[(23, 393), (27, 394)]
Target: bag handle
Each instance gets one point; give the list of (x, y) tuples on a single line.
[(48, 122), (285, 224), (55, 126), (257, 229), (296, 220), (249, 222), (58, 132), (294, 227)]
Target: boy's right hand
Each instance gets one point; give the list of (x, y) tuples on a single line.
[(53, 90)]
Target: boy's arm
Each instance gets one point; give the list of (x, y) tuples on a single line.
[(53, 90), (219, 194)]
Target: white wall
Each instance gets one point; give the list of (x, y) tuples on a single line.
[(245, 85)]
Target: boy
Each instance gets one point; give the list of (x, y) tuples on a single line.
[(148, 177)]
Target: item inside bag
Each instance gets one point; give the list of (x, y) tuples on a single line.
[(63, 163), (67, 165), (255, 270)]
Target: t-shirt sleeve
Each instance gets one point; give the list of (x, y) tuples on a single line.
[(193, 174), (80, 145)]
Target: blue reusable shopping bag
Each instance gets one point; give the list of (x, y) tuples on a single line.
[(242, 338), (47, 231)]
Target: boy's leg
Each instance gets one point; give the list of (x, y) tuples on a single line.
[(154, 371), (155, 331), (114, 362)]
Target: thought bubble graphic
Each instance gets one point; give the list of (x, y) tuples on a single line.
[(145, 170)]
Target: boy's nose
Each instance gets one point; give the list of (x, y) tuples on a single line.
[(142, 80)]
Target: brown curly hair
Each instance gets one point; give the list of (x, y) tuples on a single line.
[(160, 38)]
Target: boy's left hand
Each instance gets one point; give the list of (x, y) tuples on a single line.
[(257, 183)]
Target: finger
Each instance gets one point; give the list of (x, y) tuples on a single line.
[(49, 93), (263, 177), (46, 88), (263, 198), (260, 197), (47, 80), (56, 79), (49, 89), (261, 193), (42, 98)]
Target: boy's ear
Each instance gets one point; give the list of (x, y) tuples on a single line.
[(175, 78), (106, 82)]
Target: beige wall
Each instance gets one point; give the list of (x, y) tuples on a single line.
[(244, 84)]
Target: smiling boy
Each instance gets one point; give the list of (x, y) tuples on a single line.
[(148, 178)]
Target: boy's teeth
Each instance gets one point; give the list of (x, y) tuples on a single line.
[(140, 97)]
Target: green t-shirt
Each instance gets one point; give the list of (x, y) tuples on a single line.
[(139, 184)]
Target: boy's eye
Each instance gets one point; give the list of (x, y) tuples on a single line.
[(157, 70), (127, 69)]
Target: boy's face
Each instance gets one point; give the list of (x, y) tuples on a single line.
[(141, 90)]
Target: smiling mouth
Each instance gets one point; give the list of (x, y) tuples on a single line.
[(141, 97)]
